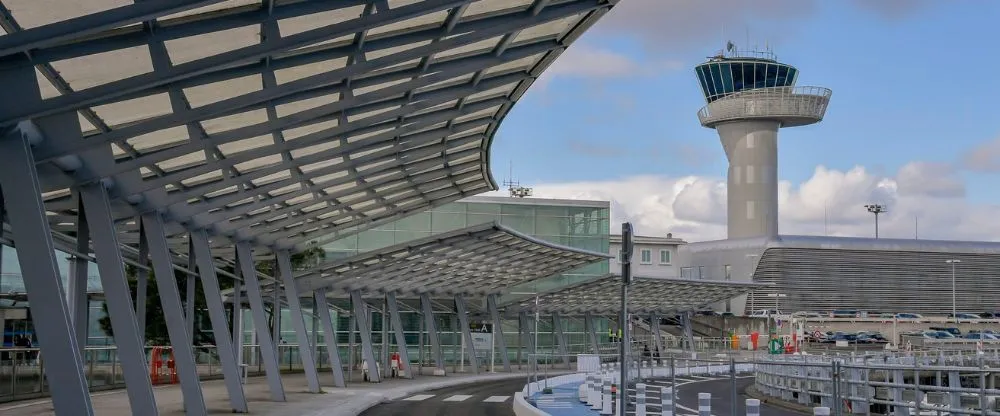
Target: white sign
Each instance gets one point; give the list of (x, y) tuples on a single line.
[(483, 342)]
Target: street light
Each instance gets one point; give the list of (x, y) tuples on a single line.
[(876, 209), (954, 309), (752, 295), (777, 301)]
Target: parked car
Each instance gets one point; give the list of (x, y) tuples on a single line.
[(963, 315), (916, 317), (845, 313), (951, 330), (981, 336), (804, 314)]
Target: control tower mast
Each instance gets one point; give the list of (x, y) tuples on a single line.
[(750, 96)]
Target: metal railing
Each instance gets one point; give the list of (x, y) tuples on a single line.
[(795, 105)]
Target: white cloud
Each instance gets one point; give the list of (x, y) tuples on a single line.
[(583, 60), (830, 202)]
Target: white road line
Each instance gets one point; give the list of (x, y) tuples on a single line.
[(496, 399), (419, 397), (458, 398)]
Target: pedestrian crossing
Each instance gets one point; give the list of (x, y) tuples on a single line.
[(455, 398)]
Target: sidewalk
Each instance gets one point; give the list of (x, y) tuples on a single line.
[(332, 401)]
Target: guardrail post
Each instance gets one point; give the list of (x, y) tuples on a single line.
[(704, 404), (753, 407), (640, 399), (821, 411), (667, 401)]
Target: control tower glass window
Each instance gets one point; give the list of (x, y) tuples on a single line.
[(721, 78)]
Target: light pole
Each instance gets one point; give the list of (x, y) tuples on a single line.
[(625, 344), (954, 309), (876, 209), (777, 301), (752, 295)]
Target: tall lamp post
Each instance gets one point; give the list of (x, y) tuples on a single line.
[(876, 209), (954, 309), (752, 295), (625, 344)]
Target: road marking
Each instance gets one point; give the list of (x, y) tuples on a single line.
[(419, 397), (457, 398), (496, 399)]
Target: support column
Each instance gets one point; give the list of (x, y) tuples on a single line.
[(397, 327), (95, 209), (237, 320), (330, 334), (491, 304), (78, 271), (295, 309), (528, 335), (688, 331), (217, 314), (557, 322), (267, 350), (365, 331), (189, 301), (463, 321), (432, 330), (591, 328), (170, 300), (654, 323), (142, 281), (36, 255)]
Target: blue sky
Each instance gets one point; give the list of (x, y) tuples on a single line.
[(912, 81)]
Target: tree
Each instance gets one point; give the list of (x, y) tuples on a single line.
[(156, 326)]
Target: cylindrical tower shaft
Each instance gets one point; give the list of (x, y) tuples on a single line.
[(752, 149)]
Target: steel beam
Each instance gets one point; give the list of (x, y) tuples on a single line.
[(244, 256), (491, 304), (95, 208), (397, 328), (330, 335), (217, 314), (142, 281), (463, 321), (170, 300), (36, 255), (365, 331), (432, 330), (78, 304), (591, 328), (295, 309), (560, 334)]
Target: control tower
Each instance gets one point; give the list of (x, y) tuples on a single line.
[(750, 96)]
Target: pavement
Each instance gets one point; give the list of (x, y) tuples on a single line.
[(492, 398), (333, 401), (720, 387)]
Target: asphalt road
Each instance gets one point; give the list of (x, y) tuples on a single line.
[(482, 399), (722, 397)]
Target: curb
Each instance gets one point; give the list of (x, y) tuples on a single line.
[(751, 391)]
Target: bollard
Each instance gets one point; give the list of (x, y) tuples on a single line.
[(595, 394), (588, 397), (821, 411), (753, 407), (704, 404), (667, 401), (640, 399), (606, 398)]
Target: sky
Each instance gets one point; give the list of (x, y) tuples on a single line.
[(912, 124)]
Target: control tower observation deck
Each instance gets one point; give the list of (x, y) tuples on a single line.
[(750, 96)]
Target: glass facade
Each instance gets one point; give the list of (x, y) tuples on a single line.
[(721, 78)]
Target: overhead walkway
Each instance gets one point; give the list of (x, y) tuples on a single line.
[(197, 136)]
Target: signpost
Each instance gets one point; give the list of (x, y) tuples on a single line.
[(482, 340), (626, 342)]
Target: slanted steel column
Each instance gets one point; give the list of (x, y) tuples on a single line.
[(267, 351), (170, 300), (276, 318), (77, 289), (365, 331), (237, 320), (463, 321), (397, 327), (95, 208), (654, 323), (557, 322), (189, 298), (295, 309), (591, 327), (491, 304), (686, 318), (217, 314), (330, 334), (142, 281), (432, 330), (36, 255)]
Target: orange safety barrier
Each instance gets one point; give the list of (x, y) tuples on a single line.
[(158, 373)]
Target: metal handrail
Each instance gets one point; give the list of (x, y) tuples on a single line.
[(778, 101)]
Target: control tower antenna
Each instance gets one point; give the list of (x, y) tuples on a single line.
[(514, 187), (750, 95)]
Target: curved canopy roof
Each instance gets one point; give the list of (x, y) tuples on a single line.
[(279, 122), (479, 260), (646, 295)]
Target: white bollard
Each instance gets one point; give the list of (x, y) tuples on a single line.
[(753, 407), (704, 404), (606, 398), (821, 411), (667, 401), (640, 399)]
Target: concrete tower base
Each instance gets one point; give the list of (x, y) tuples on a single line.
[(752, 149)]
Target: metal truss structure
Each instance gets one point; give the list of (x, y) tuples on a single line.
[(659, 296), (480, 260), (181, 134)]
